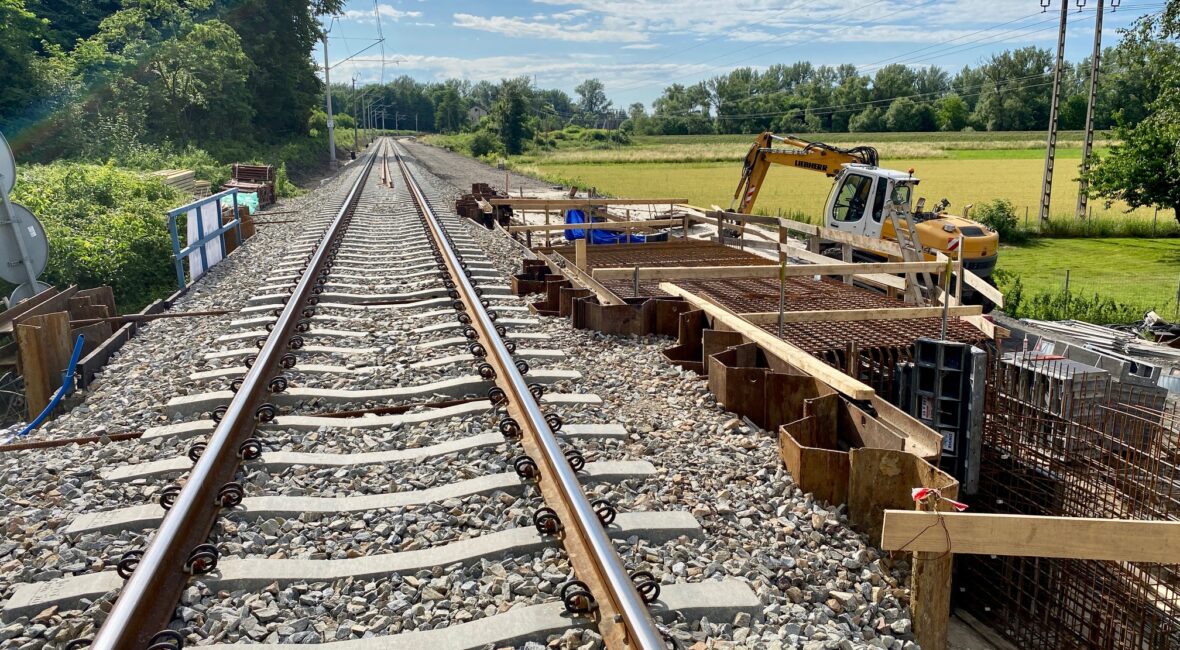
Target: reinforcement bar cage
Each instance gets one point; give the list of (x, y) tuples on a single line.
[(1059, 444)]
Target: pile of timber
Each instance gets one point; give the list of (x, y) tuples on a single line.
[(182, 179), (43, 330), (474, 205)]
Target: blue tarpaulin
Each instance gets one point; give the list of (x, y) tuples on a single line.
[(597, 236)]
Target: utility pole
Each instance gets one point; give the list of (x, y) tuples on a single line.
[(1088, 146), (328, 92), (415, 122), (1054, 106), (355, 116)]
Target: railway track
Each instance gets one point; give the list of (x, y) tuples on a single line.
[(382, 422)]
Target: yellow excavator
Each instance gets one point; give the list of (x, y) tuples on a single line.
[(865, 198)]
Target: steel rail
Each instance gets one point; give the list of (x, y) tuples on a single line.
[(622, 616), (147, 602)]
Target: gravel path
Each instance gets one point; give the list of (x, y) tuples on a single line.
[(461, 172)]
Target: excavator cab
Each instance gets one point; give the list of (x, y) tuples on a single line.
[(864, 197)]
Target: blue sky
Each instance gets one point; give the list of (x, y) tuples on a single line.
[(636, 47)]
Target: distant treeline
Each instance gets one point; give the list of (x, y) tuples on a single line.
[(1009, 91)]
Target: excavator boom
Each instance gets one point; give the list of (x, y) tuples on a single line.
[(770, 149)]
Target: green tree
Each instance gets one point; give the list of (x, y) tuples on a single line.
[(869, 120), (19, 80), (951, 113), (448, 109), (71, 20), (1142, 169), (903, 115), (1073, 113), (511, 114), (278, 36)]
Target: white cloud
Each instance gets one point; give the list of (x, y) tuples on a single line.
[(640, 46), (561, 30), (386, 11), (550, 71)]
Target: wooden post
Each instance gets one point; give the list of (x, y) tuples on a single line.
[(580, 257), (930, 592), (43, 344), (782, 241), (846, 255)]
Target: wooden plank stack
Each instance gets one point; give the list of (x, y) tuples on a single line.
[(182, 179)]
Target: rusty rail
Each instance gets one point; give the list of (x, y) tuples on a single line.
[(179, 549), (604, 588)]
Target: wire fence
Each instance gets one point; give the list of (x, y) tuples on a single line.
[(1097, 296)]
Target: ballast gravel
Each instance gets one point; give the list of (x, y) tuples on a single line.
[(821, 586)]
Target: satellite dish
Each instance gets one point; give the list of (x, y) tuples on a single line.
[(29, 229), (7, 166), (26, 291)]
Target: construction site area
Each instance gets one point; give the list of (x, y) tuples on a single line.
[(522, 376)]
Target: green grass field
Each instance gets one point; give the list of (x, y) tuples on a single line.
[(963, 181), (1140, 272)]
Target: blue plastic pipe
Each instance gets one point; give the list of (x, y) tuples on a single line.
[(61, 392)]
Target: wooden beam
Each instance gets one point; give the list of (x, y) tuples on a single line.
[(881, 280), (44, 345), (760, 271), (581, 259), (847, 315), (533, 202), (1113, 540), (598, 225), (580, 277), (784, 350), (979, 284)]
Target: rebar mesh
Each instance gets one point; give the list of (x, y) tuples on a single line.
[(1062, 441)]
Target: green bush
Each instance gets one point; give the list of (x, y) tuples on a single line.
[(1062, 304), (1065, 227), (483, 143), (105, 226), (1000, 216)]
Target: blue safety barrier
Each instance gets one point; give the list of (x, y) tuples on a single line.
[(179, 255)]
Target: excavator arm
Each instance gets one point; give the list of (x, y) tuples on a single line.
[(771, 149)]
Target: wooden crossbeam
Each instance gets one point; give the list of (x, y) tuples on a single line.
[(1114, 540), (571, 271), (847, 315), (761, 271), (597, 225), (774, 345), (879, 279), (980, 285), (533, 202)]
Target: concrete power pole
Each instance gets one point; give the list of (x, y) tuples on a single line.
[(1054, 107), (1088, 146), (356, 116), (328, 92)]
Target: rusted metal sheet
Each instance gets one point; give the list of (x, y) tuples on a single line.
[(744, 383), (531, 279), (638, 317)]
